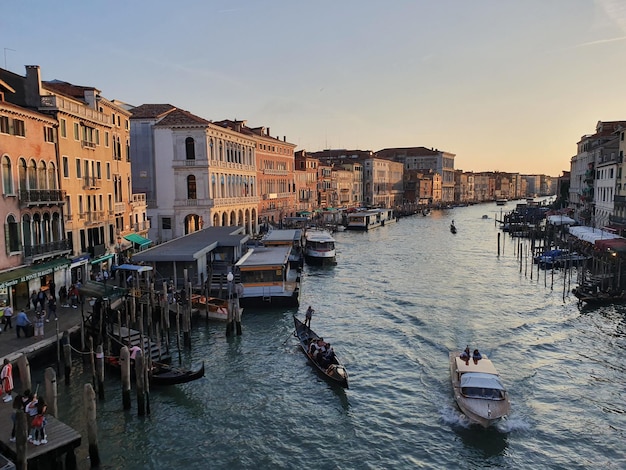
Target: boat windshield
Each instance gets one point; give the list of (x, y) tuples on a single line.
[(478, 385), (486, 393)]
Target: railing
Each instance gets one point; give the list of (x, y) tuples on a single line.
[(92, 182), (120, 207), (193, 202), (140, 226), (194, 162), (139, 199), (230, 201), (87, 144), (269, 171), (47, 248), (42, 196), (57, 102)]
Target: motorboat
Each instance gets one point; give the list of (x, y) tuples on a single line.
[(368, 219), (478, 390), (319, 248)]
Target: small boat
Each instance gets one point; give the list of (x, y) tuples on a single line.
[(593, 295), (452, 227), (335, 372), (165, 374), (501, 201), (214, 307), (485, 216), (478, 390)]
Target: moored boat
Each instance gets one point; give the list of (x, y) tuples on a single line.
[(334, 371), (368, 219), (267, 278), (319, 248), (478, 390), (214, 307), (165, 374)]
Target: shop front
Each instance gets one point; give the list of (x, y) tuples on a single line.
[(16, 284)]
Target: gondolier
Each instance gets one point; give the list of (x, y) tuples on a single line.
[(307, 316)]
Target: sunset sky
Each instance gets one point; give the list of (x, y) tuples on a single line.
[(504, 85)]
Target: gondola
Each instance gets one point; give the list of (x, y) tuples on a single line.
[(335, 372), (165, 374)]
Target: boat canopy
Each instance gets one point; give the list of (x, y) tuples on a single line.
[(478, 380)]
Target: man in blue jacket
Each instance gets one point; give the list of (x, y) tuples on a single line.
[(21, 322)]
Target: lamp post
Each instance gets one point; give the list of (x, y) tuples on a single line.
[(229, 323)]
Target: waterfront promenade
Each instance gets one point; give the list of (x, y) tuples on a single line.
[(12, 347)]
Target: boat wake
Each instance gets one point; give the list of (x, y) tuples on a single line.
[(514, 424)]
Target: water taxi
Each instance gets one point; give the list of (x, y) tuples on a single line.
[(319, 248), (267, 278), (371, 218), (478, 390)]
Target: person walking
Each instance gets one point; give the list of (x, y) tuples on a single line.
[(39, 423), (52, 309), (6, 319), (19, 403), (6, 376), (34, 299), (21, 322)]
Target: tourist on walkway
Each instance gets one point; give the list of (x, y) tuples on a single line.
[(39, 423), (34, 299), (21, 322), (63, 296), (39, 325), (52, 309), (41, 297), (6, 319), (19, 403), (6, 376)]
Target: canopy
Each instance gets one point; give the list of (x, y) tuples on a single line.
[(560, 220), (137, 239), (478, 380), (134, 267), (590, 234)]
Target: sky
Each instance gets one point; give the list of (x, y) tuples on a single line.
[(504, 85)]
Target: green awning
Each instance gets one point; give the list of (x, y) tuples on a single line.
[(138, 240), (102, 259), (34, 271)]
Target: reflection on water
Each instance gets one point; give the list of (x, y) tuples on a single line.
[(398, 300)]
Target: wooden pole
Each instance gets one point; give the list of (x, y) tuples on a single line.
[(100, 371), (140, 377), (89, 403), (92, 360), (67, 361), (125, 371), (24, 367), (499, 244), (51, 391), (21, 434), (178, 331)]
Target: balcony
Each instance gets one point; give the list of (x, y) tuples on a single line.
[(138, 200), (273, 172), (32, 252), (120, 208), (141, 226), (193, 203), (92, 217), (41, 197), (190, 163), (87, 145), (58, 103)]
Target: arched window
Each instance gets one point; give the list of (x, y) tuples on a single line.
[(52, 176), (56, 227), (41, 176), (26, 230), (32, 175), (45, 229), (13, 232), (211, 149), (190, 148), (37, 229), (21, 168), (213, 187), (191, 187), (7, 177)]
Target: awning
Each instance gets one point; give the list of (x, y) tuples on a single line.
[(102, 259), (138, 240), (26, 273)]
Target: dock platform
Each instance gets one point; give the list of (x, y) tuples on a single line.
[(62, 439)]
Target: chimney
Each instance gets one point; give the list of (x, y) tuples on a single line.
[(268, 132), (284, 138), (32, 87)]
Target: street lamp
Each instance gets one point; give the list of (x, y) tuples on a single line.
[(229, 323)]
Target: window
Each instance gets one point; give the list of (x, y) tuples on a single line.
[(106, 138), (66, 167), (108, 171), (166, 223), (79, 171), (18, 128), (97, 136), (48, 134), (13, 232), (190, 148), (63, 128), (7, 177), (4, 124), (191, 187), (76, 131)]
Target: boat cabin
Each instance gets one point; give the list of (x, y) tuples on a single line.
[(479, 379)]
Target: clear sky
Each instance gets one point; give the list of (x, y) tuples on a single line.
[(505, 85)]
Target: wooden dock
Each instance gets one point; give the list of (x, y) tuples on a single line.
[(62, 440)]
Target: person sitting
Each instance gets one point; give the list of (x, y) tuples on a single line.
[(328, 358), (465, 355), (313, 348), (476, 356)]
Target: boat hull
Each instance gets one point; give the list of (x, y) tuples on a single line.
[(336, 372), (485, 412)]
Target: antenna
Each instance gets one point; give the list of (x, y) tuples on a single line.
[(5, 55)]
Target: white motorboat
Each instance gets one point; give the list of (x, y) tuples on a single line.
[(319, 248), (478, 390)]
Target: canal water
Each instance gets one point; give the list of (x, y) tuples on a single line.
[(399, 299)]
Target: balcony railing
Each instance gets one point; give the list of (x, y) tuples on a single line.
[(186, 163), (92, 182), (72, 107), (141, 226), (120, 207), (37, 197), (52, 248), (193, 202)]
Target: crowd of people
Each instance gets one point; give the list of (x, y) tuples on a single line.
[(321, 352)]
